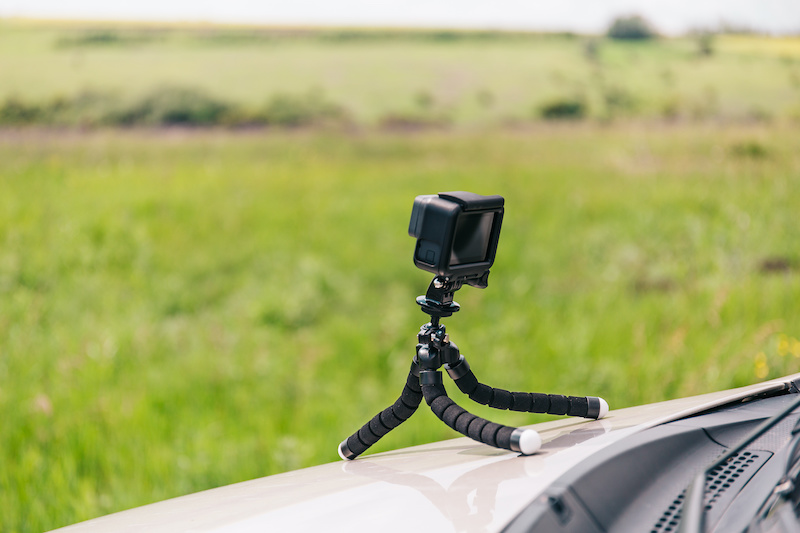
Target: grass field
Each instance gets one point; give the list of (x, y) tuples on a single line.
[(188, 309), (182, 309), (468, 78)]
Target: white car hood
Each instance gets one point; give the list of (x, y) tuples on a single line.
[(454, 485)]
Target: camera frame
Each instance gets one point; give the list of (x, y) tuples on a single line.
[(457, 234)]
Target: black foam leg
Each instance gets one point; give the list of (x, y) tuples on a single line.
[(473, 426), (386, 420), (531, 402)]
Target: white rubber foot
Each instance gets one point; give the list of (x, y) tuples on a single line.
[(530, 442), (603, 408)]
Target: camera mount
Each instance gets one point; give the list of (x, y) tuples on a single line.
[(457, 235), (434, 350)]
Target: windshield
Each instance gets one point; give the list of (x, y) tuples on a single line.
[(730, 469)]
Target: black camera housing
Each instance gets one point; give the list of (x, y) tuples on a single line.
[(457, 234)]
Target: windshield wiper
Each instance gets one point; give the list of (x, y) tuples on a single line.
[(694, 509), (787, 484)]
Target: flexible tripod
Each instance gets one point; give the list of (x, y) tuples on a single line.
[(435, 350)]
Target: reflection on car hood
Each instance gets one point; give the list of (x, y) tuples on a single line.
[(454, 485)]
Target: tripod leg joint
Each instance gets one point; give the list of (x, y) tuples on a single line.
[(459, 369), (430, 377)]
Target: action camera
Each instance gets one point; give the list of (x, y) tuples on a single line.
[(457, 234)]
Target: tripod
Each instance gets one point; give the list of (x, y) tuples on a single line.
[(434, 350)]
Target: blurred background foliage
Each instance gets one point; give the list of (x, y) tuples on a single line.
[(93, 74), (205, 273)]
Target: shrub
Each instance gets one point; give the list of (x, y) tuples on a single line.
[(749, 150), (87, 108), (564, 109), (107, 37), (234, 37), (632, 27), (169, 106), (14, 111), (288, 110)]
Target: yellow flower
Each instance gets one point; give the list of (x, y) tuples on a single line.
[(762, 369), (783, 345), (795, 347)]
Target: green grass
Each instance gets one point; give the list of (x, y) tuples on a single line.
[(181, 310)]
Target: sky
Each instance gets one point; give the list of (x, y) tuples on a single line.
[(584, 16)]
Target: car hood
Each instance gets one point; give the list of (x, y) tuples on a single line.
[(453, 485)]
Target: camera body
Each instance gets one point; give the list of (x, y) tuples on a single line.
[(457, 234)]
